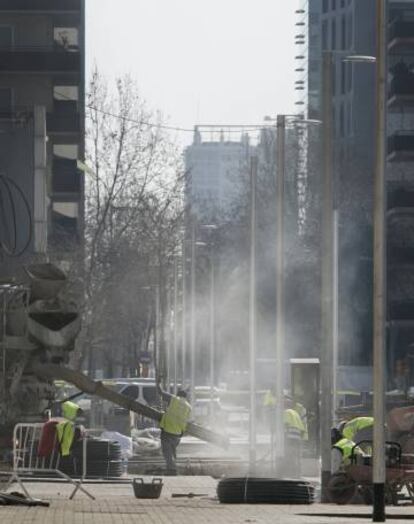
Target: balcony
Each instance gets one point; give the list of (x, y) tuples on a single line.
[(401, 147), (66, 177), (46, 6), (56, 59), (65, 118), (401, 35)]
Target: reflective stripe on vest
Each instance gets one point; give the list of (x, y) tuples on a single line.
[(175, 419), (352, 427)]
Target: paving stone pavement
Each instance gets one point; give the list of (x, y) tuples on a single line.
[(116, 504)]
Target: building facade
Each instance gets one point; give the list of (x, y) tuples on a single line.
[(42, 102), (216, 172), (347, 27)]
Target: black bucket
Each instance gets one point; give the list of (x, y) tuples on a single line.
[(147, 491)]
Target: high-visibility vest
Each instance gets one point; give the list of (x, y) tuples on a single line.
[(65, 431), (352, 427), (175, 419), (346, 446), (269, 400), (69, 410), (294, 427), (301, 410)]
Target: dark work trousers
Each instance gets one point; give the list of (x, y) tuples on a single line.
[(169, 443), (293, 455)]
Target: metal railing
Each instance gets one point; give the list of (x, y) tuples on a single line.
[(29, 464)]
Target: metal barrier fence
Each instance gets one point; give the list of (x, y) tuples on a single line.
[(27, 464)]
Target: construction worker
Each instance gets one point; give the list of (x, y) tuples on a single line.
[(357, 429), (295, 432), (173, 424), (342, 449), (269, 416), (65, 429), (302, 411)]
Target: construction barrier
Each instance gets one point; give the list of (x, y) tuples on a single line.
[(28, 464)]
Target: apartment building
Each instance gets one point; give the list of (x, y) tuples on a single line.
[(42, 101)]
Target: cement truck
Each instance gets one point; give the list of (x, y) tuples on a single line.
[(37, 333)]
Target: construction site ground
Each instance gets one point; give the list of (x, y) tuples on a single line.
[(116, 504)]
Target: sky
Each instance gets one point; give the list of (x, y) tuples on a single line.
[(199, 61)]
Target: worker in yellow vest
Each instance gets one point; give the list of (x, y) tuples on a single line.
[(173, 425), (295, 432), (357, 429), (342, 451), (65, 429)]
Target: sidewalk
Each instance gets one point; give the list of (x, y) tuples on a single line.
[(116, 504)]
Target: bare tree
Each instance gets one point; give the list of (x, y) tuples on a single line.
[(133, 212)]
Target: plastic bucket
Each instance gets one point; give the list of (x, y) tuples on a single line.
[(147, 491)]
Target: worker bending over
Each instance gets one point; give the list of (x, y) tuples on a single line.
[(342, 451), (173, 424), (357, 429)]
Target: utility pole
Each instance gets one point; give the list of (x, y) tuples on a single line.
[(184, 314), (175, 333), (327, 324), (252, 316), (212, 330), (280, 306), (379, 269), (193, 309)]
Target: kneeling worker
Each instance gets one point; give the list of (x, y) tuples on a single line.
[(173, 424)]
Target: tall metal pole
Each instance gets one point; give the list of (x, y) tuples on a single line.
[(212, 330), (327, 331), (184, 313), (378, 471), (252, 316), (175, 333), (193, 309), (335, 310), (280, 309)]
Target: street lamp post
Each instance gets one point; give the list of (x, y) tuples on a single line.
[(193, 308), (184, 314), (327, 269), (280, 310), (252, 316), (379, 270), (175, 333)]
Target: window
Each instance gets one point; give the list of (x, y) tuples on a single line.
[(333, 34), (150, 394), (333, 5), (350, 32), (343, 32), (131, 392), (325, 35), (69, 151), (6, 36), (6, 99), (325, 6), (66, 37), (343, 77), (341, 121), (66, 92), (67, 209)]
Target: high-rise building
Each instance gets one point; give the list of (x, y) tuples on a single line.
[(216, 170), (348, 27), (42, 100)]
